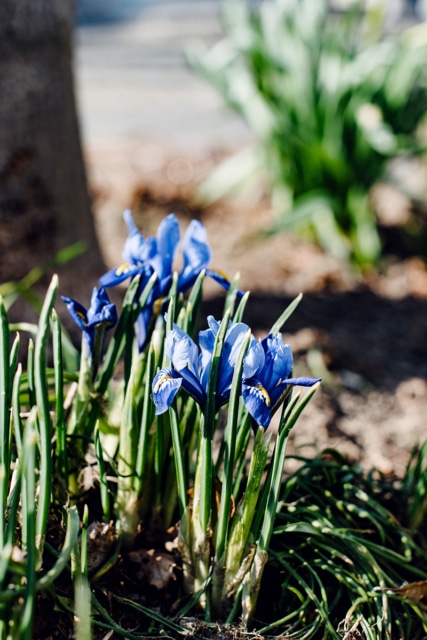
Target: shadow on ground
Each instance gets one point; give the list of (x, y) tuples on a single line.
[(380, 339)]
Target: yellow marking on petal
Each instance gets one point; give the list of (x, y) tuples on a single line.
[(264, 392), (122, 269), (222, 273), (160, 382), (81, 315), (158, 305)]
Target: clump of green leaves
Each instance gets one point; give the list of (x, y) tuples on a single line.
[(330, 101), (343, 555)]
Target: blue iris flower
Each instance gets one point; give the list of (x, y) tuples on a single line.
[(145, 256), (266, 368), (191, 365), (100, 316)]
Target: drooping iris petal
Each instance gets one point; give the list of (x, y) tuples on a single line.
[(115, 276), (165, 387), (76, 311), (257, 402), (303, 382), (221, 279)]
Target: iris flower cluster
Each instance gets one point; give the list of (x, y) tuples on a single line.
[(265, 381), (145, 256)]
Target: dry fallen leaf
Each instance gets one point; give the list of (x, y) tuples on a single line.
[(101, 538), (155, 567), (414, 591)]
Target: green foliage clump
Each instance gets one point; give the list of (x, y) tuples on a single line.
[(330, 100)]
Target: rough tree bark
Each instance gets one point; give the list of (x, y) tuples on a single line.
[(44, 202)]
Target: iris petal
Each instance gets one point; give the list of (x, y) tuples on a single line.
[(193, 387), (165, 387), (254, 360), (101, 310), (135, 248), (283, 359), (206, 343), (76, 311), (142, 324), (221, 279), (231, 348), (303, 382), (257, 402), (119, 274), (100, 316), (168, 236), (196, 254), (233, 341), (181, 350)]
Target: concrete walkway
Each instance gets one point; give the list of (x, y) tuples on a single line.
[(140, 106), (133, 82)]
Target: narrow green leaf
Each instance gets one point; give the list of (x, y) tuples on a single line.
[(230, 436), (5, 434), (277, 326), (147, 418), (206, 488), (61, 435), (179, 462), (44, 419), (103, 482), (165, 622), (71, 534), (29, 487), (241, 308)]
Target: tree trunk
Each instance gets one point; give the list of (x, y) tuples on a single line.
[(44, 201)]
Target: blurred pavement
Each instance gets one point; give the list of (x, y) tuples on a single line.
[(140, 106), (132, 81)]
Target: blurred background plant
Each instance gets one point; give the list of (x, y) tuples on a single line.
[(331, 98)]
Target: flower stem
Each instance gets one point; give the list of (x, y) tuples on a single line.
[(209, 426), (179, 462)]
